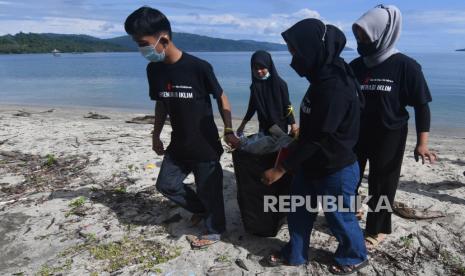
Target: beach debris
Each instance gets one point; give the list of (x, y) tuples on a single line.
[(403, 211), (150, 166), (22, 113), (51, 223), (112, 257), (47, 111), (27, 230), (41, 173), (11, 201), (240, 263), (76, 144), (96, 116), (101, 139), (147, 119), (220, 269)]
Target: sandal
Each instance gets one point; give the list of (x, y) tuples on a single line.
[(372, 241), (338, 269), (204, 241), (276, 259), (273, 260)]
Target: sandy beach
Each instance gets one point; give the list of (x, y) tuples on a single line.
[(78, 197)]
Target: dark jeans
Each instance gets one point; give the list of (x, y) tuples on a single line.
[(343, 225), (207, 200), (384, 150)]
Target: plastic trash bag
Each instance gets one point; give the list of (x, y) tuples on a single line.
[(263, 144)]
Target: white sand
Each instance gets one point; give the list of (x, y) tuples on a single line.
[(34, 229)]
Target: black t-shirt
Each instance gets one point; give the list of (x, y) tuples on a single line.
[(264, 104), (329, 128), (185, 88), (388, 88)]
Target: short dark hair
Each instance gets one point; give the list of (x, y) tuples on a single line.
[(147, 21)]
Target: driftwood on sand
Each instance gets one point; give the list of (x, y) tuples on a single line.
[(403, 211), (96, 116), (147, 119), (23, 113)]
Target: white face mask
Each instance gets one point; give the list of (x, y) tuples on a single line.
[(265, 77), (151, 54)]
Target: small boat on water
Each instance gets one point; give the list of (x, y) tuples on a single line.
[(56, 53)]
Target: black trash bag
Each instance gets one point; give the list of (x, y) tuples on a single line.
[(251, 191)]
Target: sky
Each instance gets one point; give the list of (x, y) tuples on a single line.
[(428, 25)]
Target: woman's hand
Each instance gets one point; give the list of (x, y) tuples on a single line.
[(157, 145), (423, 152), (232, 140), (272, 175), (240, 129), (294, 130)]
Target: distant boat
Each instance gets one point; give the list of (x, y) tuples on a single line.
[(56, 53)]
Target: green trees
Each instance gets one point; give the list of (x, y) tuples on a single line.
[(46, 43)]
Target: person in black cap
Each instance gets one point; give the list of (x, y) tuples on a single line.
[(389, 82), (269, 97), (322, 158)]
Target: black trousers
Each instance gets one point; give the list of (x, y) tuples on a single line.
[(384, 150)]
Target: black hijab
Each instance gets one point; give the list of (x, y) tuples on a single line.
[(268, 94), (317, 50)]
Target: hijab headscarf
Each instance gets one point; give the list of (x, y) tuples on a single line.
[(382, 25), (267, 94), (317, 48)]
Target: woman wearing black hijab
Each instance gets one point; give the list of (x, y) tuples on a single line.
[(269, 96), (322, 158)]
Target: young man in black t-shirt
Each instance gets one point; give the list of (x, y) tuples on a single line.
[(181, 85)]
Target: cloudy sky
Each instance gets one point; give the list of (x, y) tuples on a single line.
[(429, 25)]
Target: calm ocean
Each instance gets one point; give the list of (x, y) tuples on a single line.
[(117, 80)]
